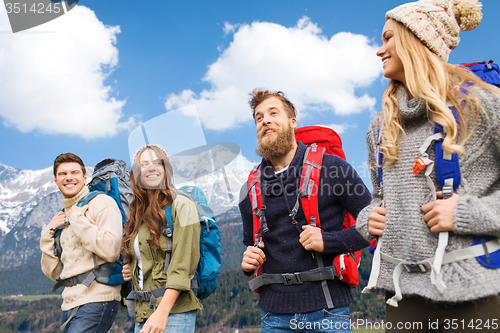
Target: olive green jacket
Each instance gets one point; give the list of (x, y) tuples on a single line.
[(183, 262)]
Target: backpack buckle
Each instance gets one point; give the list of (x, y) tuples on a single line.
[(420, 165), (291, 278), (417, 267)]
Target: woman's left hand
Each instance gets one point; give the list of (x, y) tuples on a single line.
[(439, 213), (156, 323)]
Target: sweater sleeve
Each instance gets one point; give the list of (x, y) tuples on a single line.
[(101, 232), (345, 185), (185, 245), (478, 213), (377, 195), (51, 265)]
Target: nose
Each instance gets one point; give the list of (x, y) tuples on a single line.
[(266, 119), (381, 51)]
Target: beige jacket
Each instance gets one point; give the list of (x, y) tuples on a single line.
[(99, 231)]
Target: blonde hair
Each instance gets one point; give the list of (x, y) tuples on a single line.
[(435, 81)]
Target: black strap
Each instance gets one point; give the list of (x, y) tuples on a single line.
[(288, 279), (143, 296), (57, 238), (100, 273)]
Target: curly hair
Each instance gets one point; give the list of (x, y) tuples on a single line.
[(260, 95)]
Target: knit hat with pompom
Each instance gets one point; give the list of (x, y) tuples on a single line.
[(437, 23)]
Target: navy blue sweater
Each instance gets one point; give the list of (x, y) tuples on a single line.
[(340, 189)]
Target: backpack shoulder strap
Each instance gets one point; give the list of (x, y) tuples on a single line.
[(168, 232), (380, 159), (309, 183), (447, 165), (88, 198), (258, 208)]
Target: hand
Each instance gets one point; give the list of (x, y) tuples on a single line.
[(439, 213), (75, 209), (253, 258), (156, 323), (127, 275), (311, 238), (57, 220), (376, 221)]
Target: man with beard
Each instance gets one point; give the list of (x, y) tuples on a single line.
[(291, 245)]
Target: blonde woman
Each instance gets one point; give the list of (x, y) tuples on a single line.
[(415, 222)]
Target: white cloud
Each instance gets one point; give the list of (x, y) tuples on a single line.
[(229, 28), (315, 72), (341, 128), (52, 77)]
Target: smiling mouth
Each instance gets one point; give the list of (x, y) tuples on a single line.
[(153, 176)]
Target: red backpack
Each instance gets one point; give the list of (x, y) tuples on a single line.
[(320, 140)]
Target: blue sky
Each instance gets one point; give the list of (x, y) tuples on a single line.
[(84, 81)]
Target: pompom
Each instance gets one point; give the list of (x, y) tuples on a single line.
[(468, 14)]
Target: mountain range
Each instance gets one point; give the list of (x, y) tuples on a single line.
[(29, 199)]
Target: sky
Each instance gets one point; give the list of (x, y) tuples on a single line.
[(85, 81)]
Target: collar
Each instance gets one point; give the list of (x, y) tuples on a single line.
[(290, 174), (410, 108), (70, 202)]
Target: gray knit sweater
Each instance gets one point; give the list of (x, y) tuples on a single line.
[(406, 234)]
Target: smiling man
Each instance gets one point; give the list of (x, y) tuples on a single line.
[(291, 245), (95, 228)]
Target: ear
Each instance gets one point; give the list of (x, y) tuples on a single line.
[(293, 123), (85, 177), (55, 180)]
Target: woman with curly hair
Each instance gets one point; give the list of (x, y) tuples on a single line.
[(161, 271), (418, 220)]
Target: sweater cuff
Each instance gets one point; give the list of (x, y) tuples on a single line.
[(362, 222), (462, 215)]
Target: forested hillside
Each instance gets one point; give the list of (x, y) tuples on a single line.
[(232, 305)]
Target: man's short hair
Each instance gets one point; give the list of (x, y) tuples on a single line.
[(260, 95), (68, 158)]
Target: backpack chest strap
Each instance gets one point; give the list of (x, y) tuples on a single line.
[(288, 279)]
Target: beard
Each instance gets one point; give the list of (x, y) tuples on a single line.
[(270, 148)]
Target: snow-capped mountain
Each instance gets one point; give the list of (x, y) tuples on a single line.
[(20, 192), (29, 199)]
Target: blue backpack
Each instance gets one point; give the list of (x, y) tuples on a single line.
[(447, 167), (110, 177), (489, 72), (207, 272)]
